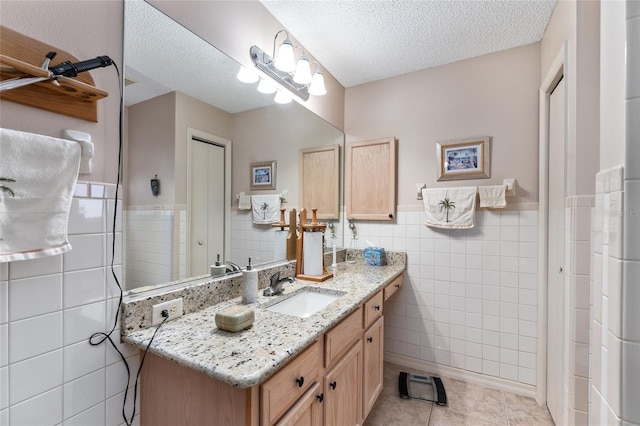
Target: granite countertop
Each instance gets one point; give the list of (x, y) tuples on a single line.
[(249, 357)]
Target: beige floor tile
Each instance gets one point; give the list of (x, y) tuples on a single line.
[(519, 407), (443, 416), (474, 400)]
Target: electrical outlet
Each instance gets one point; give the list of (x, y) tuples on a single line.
[(174, 307)]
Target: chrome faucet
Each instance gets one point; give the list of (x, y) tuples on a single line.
[(277, 285)]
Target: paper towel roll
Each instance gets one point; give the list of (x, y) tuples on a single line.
[(312, 254), (280, 242)]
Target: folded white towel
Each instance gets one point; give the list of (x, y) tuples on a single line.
[(266, 208), (492, 196), (462, 202), (244, 202), (39, 174)]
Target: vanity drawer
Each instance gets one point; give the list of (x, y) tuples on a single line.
[(373, 309), (284, 388), (342, 337), (393, 286)]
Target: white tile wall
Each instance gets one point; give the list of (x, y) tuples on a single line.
[(49, 307), (470, 296)]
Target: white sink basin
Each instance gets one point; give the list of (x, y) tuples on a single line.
[(305, 303)]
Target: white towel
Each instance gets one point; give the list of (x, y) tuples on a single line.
[(266, 208), (462, 211), (492, 196), (34, 210), (244, 202)]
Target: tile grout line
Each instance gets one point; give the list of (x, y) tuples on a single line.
[(504, 406)]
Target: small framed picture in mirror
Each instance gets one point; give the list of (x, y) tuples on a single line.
[(263, 175)]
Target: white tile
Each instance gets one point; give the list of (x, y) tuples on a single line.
[(4, 345), (491, 368), (509, 218), (114, 408), (528, 265), (509, 233), (491, 218), (83, 393), (527, 375), (86, 216), (82, 358), (4, 387), (473, 364), (615, 301), (491, 263), (614, 373), (632, 155), (109, 218), (36, 267), (580, 394), (528, 233), (35, 296), (528, 218), (88, 252), (509, 264), (80, 323), (633, 9), (527, 344), (615, 217), (34, 336), (4, 417), (491, 248), (4, 301), (509, 372), (94, 416), (84, 286), (491, 353), (630, 383), (34, 376), (632, 217), (630, 297), (44, 409), (633, 58), (528, 328)]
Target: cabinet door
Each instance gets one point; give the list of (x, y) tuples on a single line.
[(343, 390), (307, 411), (373, 365), (370, 179)]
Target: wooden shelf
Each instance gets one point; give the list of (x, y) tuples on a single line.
[(75, 97)]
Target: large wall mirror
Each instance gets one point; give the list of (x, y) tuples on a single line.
[(190, 124)]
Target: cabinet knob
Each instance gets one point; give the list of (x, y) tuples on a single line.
[(320, 397), (369, 339), (300, 381), (333, 385), (397, 285), (377, 307), (390, 215)]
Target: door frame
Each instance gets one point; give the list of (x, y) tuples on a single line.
[(226, 144), (556, 72)]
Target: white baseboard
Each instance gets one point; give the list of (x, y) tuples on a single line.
[(464, 375)]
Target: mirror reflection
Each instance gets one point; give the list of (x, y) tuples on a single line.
[(194, 128)]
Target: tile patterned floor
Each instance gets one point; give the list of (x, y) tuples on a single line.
[(468, 404)]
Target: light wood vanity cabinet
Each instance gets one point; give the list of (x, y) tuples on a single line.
[(335, 381)]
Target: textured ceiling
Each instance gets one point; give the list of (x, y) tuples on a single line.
[(162, 56), (361, 41)]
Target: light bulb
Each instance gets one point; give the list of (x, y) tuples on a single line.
[(303, 71), (317, 85), (285, 60), (283, 97), (246, 75), (266, 86)]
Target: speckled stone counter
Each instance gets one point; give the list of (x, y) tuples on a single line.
[(249, 357)]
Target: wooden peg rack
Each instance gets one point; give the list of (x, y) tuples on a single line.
[(21, 56)]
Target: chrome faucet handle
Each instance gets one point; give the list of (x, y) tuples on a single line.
[(275, 278)]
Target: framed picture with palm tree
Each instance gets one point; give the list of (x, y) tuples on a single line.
[(263, 175), (464, 159)]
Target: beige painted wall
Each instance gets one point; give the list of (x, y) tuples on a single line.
[(582, 85), (234, 26), (150, 127), (494, 95), (157, 144), (200, 116), (86, 30), (277, 133), (612, 85)]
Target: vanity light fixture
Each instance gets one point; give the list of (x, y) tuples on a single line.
[(294, 76), (246, 75)]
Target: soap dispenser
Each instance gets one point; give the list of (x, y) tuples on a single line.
[(249, 284), (218, 268)]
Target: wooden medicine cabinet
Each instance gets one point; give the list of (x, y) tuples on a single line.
[(370, 179), (319, 174)]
